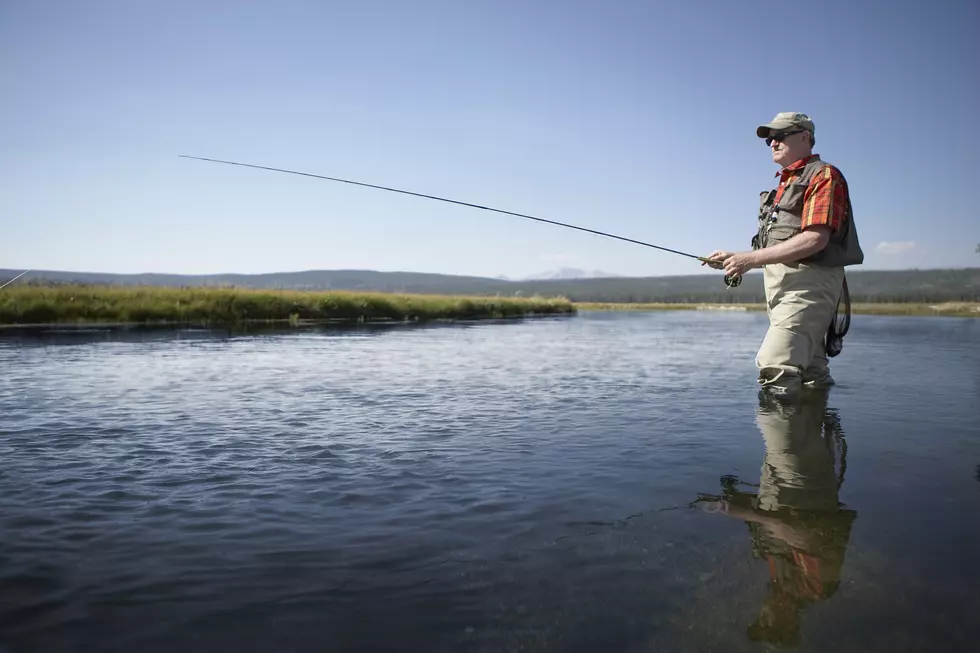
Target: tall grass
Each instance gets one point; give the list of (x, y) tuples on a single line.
[(31, 304)]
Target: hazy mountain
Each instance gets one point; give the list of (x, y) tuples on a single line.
[(302, 280), (574, 273)]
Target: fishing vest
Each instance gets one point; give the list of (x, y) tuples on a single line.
[(778, 222)]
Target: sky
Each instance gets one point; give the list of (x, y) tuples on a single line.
[(633, 118)]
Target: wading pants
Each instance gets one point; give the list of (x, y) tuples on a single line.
[(800, 300)]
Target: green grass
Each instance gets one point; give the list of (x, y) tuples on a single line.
[(85, 304)]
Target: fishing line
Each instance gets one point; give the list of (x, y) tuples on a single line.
[(730, 281), (14, 279)]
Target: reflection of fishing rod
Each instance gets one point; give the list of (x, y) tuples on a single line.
[(14, 279), (730, 281)]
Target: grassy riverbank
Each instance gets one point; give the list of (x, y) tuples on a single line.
[(196, 305), (947, 309), (77, 304)]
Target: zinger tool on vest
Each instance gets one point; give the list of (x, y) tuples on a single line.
[(730, 280)]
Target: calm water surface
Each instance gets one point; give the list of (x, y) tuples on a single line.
[(607, 482)]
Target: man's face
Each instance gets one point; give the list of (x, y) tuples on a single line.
[(788, 146)]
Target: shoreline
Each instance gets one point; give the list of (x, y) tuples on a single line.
[(958, 309), (910, 309), (99, 307)]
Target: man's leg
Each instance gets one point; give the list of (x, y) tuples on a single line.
[(817, 375), (777, 373), (801, 300), (830, 283)]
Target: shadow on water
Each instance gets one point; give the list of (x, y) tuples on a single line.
[(795, 519)]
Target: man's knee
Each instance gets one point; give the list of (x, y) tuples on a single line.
[(786, 349), (817, 376)]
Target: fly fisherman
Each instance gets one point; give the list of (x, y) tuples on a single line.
[(805, 239)]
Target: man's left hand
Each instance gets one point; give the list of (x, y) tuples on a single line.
[(738, 264)]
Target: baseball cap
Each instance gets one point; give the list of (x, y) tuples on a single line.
[(784, 121)]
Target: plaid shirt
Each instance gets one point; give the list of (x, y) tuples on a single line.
[(825, 200)]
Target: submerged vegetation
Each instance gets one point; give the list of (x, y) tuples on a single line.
[(85, 304)]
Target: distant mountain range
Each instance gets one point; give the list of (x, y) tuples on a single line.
[(865, 285)]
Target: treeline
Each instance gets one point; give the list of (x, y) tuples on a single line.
[(869, 286)]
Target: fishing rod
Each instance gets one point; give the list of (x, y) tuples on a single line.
[(730, 280), (14, 279)]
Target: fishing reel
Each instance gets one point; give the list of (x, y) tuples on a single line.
[(733, 280)]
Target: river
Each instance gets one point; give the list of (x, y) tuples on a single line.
[(610, 481)]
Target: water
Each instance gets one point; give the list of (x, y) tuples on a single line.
[(605, 482)]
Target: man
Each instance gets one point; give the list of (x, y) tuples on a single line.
[(806, 237)]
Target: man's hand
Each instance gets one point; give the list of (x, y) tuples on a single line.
[(738, 264), (734, 264), (718, 258)]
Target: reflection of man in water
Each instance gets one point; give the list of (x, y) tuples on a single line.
[(796, 522)]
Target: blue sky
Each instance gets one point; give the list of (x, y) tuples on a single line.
[(635, 118)]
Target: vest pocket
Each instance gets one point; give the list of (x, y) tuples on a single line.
[(792, 197), (780, 231)]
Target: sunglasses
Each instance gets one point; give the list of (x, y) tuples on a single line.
[(779, 137)]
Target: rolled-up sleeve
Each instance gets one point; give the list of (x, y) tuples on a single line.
[(825, 200)]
